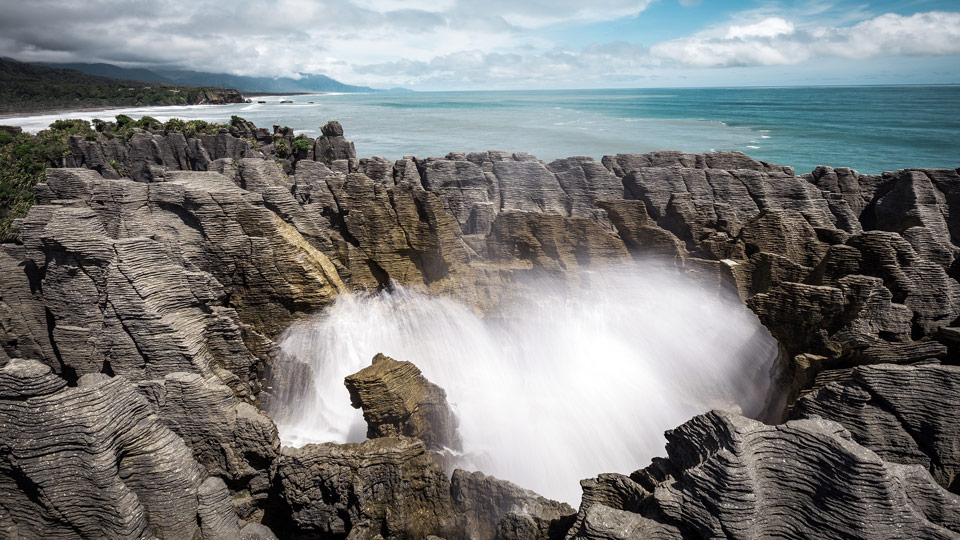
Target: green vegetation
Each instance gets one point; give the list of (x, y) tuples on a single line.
[(24, 158), (301, 143), (124, 127), (280, 146), (25, 87)]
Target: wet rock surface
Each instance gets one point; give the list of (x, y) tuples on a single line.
[(397, 400), (140, 305)]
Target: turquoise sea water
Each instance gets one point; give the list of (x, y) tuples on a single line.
[(871, 129)]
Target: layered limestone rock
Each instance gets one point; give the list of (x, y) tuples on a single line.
[(178, 286), (490, 508), (388, 486), (397, 400), (95, 461), (169, 263), (180, 270), (730, 477), (392, 487), (231, 439), (332, 146), (906, 414), (147, 155), (394, 484)]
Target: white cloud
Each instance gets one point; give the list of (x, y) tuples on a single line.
[(436, 6), (283, 37), (769, 27), (445, 43), (776, 41)]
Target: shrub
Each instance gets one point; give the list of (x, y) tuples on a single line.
[(124, 121), (175, 124), (280, 145), (148, 122), (301, 144), (73, 126)]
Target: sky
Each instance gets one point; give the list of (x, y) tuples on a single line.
[(504, 44)]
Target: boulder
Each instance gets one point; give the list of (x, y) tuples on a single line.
[(397, 400), (486, 507)]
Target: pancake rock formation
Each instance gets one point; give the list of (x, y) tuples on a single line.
[(140, 307), (397, 400)]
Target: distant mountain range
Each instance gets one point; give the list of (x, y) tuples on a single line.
[(28, 87), (248, 85)]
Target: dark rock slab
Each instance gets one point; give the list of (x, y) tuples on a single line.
[(390, 485), (906, 414)]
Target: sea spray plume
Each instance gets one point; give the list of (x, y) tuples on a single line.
[(559, 382)]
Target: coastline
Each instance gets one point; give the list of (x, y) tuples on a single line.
[(553, 124), (71, 110), (44, 112)]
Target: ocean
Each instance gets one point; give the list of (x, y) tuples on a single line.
[(868, 128)]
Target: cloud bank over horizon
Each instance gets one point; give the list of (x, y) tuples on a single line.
[(458, 44)]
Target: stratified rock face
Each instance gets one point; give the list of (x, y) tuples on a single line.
[(730, 477), (95, 462), (173, 283), (149, 279), (397, 400), (177, 286), (490, 508), (388, 485), (623, 164), (231, 439), (906, 414), (332, 146), (392, 486), (145, 156)]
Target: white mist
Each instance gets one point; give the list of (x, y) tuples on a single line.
[(556, 385)]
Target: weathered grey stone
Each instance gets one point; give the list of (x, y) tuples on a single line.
[(218, 521), (93, 461), (398, 400), (921, 285), (461, 185), (256, 531), (738, 478), (332, 146), (486, 507), (181, 281), (231, 439), (392, 482), (624, 164), (906, 414)]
